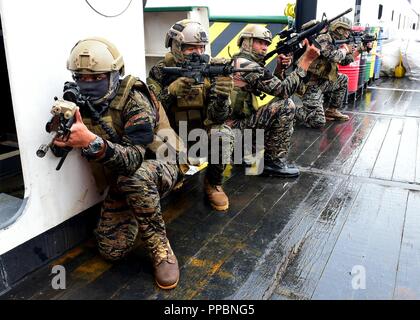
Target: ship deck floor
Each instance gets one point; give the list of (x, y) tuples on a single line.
[(347, 228)]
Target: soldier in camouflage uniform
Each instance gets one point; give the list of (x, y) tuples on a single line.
[(186, 38), (113, 134), (277, 117), (324, 93)]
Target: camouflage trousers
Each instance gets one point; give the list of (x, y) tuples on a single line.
[(221, 143), (321, 94), (132, 209), (277, 121)]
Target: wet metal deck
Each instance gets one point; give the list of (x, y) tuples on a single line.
[(353, 216)]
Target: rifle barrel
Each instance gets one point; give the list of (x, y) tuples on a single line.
[(341, 14)]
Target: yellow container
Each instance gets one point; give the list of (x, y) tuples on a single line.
[(289, 11), (399, 71)]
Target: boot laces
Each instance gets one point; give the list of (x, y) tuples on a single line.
[(161, 252)]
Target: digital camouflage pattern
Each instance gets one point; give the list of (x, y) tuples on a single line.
[(223, 135), (320, 96), (216, 109), (277, 117), (277, 120), (132, 206), (325, 83), (325, 66), (132, 209)]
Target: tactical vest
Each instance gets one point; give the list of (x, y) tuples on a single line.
[(112, 117), (196, 97), (324, 68)]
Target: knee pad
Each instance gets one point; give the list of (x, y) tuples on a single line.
[(141, 176)]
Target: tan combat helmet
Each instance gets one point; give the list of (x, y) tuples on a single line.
[(185, 32), (97, 55), (339, 26), (247, 35)]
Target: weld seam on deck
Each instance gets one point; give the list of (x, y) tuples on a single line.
[(412, 186), (295, 249), (394, 292), (347, 214), (393, 89), (384, 115)]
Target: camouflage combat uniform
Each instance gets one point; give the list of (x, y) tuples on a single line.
[(325, 85), (277, 117), (136, 184), (215, 108)]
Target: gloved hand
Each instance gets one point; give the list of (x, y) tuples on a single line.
[(181, 86), (366, 47), (284, 61), (223, 86)]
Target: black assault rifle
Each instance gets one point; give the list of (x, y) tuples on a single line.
[(293, 40), (358, 37), (63, 118), (199, 67)]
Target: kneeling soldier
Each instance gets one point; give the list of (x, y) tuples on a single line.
[(277, 117), (187, 39), (117, 122)]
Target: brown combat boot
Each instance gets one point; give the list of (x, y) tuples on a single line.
[(332, 114), (217, 197), (165, 264)]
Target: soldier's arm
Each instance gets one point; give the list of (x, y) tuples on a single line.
[(330, 51), (139, 119), (155, 83), (218, 108), (272, 85), (356, 50)]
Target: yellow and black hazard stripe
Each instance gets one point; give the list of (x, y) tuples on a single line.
[(224, 36)]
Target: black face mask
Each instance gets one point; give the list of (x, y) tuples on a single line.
[(95, 90)]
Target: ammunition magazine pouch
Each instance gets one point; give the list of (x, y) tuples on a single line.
[(194, 100), (244, 103)]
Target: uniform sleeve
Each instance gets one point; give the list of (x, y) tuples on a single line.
[(156, 84), (139, 119), (218, 108), (329, 51), (272, 85)]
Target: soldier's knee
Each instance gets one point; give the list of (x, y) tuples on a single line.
[(290, 106), (140, 178), (285, 107)]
